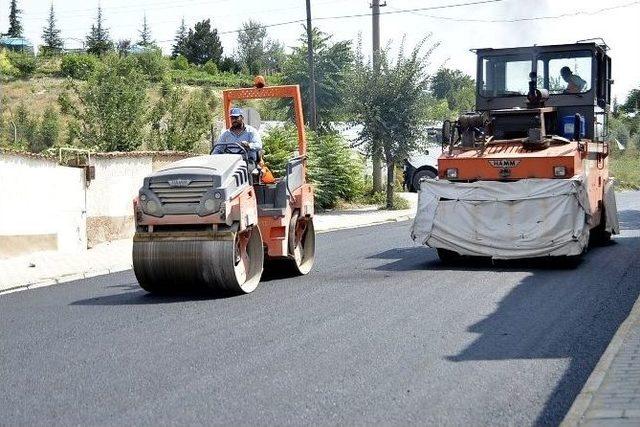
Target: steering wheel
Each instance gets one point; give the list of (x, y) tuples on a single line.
[(228, 144)]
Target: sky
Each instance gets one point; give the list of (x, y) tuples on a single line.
[(456, 30)]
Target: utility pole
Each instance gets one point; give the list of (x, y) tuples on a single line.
[(313, 122), (376, 157)]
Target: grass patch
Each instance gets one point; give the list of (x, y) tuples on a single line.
[(626, 171), (379, 199)]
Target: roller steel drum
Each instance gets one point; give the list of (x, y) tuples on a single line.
[(231, 263)]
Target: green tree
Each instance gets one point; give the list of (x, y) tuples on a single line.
[(252, 46), (456, 87), (256, 52), (178, 41), (98, 41), (390, 104), (202, 44), (333, 65), (110, 108), (229, 65), (275, 57), (146, 39), (51, 33), (632, 103), (178, 120), (123, 46), (152, 64), (15, 26)]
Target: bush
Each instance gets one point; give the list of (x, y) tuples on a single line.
[(37, 135), (111, 106), (152, 64), (210, 68), (179, 124), (180, 63), (26, 126), (200, 77), (24, 62), (49, 65), (334, 169), (278, 144), (6, 67), (49, 130), (79, 66)]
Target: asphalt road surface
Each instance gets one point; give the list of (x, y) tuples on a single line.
[(379, 332)]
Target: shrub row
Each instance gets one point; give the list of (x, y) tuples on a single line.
[(334, 169)]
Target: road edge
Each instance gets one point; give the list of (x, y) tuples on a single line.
[(68, 278), (591, 386), (123, 267)]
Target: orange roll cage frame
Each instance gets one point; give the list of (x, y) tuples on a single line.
[(285, 91)]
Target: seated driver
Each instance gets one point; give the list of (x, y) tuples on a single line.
[(245, 135), (575, 84)]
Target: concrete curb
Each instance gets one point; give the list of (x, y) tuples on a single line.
[(67, 278), (581, 404), (369, 224), (123, 267)]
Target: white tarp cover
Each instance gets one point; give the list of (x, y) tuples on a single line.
[(505, 220), (610, 208)]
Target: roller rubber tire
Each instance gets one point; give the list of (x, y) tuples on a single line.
[(418, 175), (231, 266), (302, 245), (448, 257), (599, 235)]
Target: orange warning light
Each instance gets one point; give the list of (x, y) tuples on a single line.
[(259, 82)]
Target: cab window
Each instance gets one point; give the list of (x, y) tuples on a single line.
[(505, 75), (565, 72)]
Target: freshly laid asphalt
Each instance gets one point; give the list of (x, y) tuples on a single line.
[(379, 332)]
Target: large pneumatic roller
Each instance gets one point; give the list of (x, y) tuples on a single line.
[(210, 222)]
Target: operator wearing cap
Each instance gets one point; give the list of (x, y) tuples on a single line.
[(575, 84), (239, 133)]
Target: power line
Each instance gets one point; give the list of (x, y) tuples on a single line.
[(357, 15), (127, 9), (360, 15), (534, 18)]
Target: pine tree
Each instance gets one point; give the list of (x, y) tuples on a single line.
[(15, 26), (181, 36), (98, 41), (51, 34), (203, 44), (145, 34)]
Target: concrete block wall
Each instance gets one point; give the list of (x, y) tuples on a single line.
[(110, 196), (46, 206), (42, 205)]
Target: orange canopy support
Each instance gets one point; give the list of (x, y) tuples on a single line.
[(287, 91)]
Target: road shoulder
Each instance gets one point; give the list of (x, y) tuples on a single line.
[(611, 395)]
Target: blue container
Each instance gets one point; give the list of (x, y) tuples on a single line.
[(566, 124)]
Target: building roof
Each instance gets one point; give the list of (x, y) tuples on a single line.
[(15, 41)]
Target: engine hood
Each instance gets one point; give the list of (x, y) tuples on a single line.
[(212, 165), (183, 187)]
